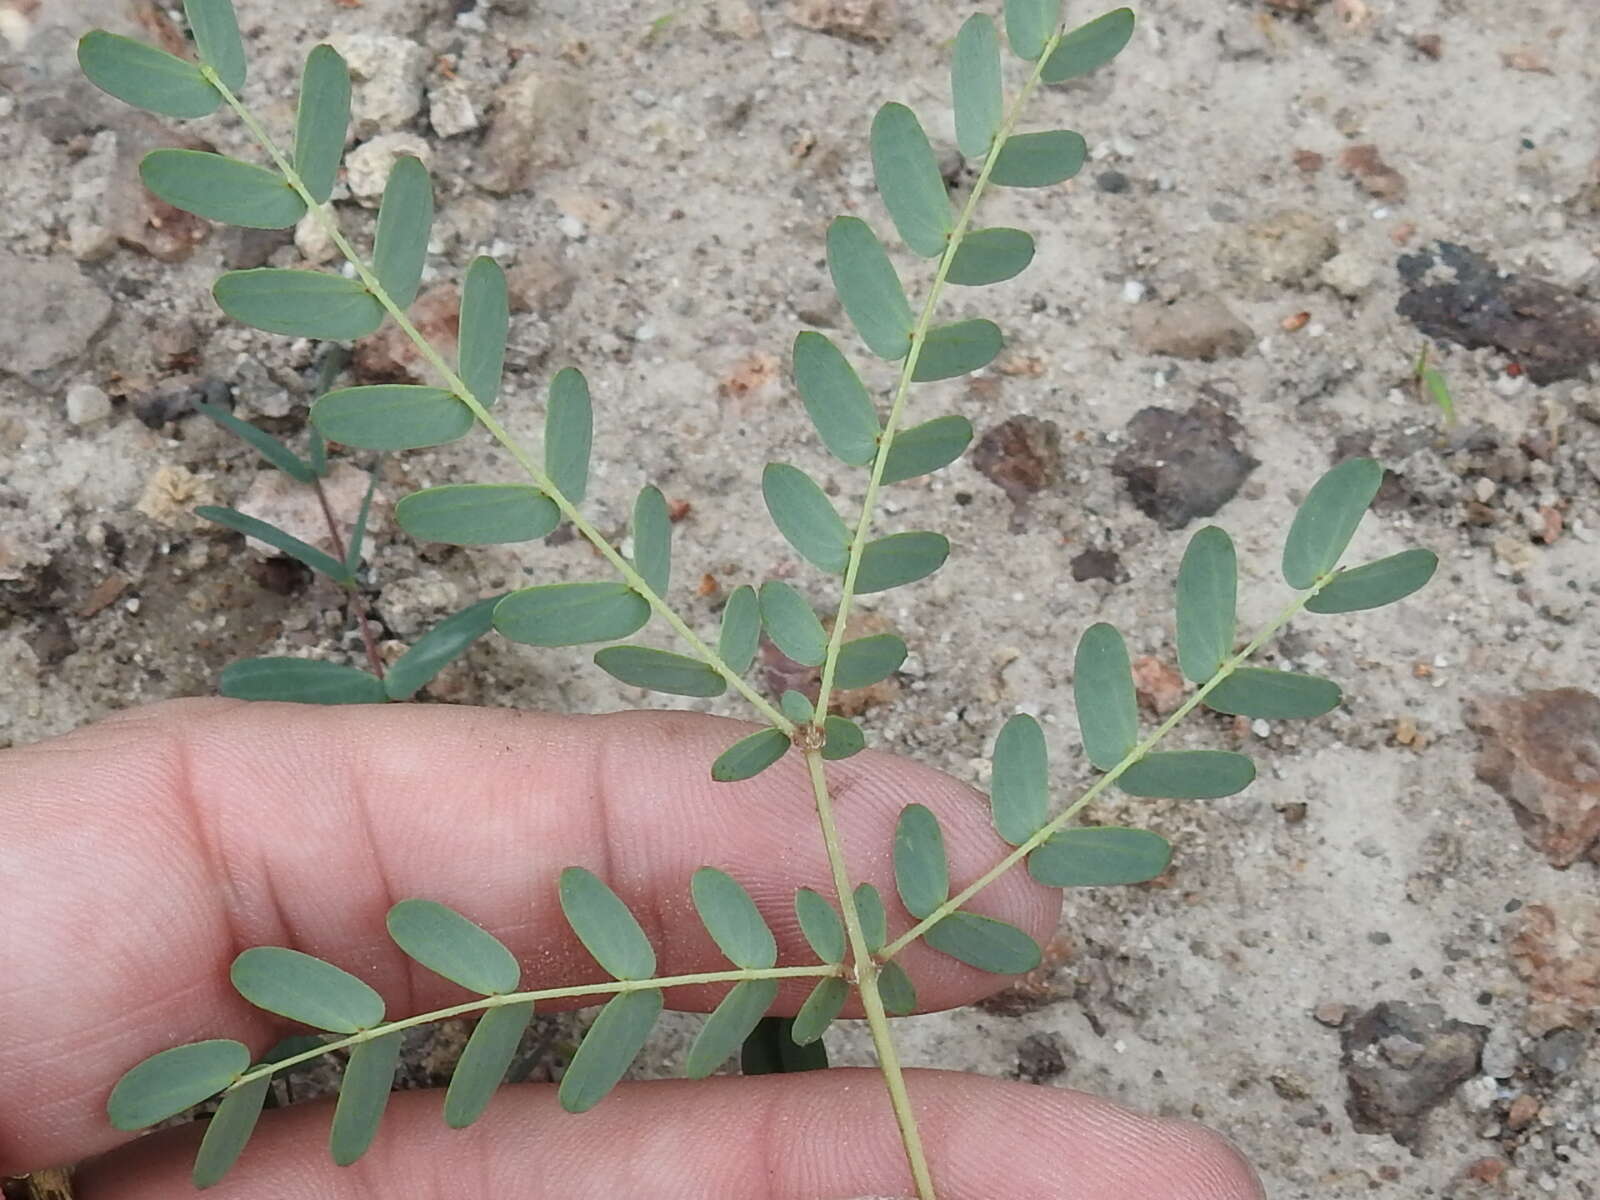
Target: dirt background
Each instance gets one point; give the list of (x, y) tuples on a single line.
[(658, 177)]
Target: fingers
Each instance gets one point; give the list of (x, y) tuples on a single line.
[(143, 854), (818, 1136)]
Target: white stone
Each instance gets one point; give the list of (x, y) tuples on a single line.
[(367, 167), (312, 238), (450, 109), (1349, 274), (87, 404), (388, 73)]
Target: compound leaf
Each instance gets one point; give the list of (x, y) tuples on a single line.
[(305, 989), (1377, 583), (729, 1024), (299, 303), (741, 629), (405, 219), (1039, 159), (145, 77), (822, 1006), (1029, 24), (485, 324), (391, 416), (478, 514), (216, 36), (975, 85), (926, 448), (569, 434), (284, 543), (909, 180), (570, 614), (612, 1043), (1208, 585), (835, 399), (733, 921), (652, 540), (222, 189), (175, 1080), (958, 349), (896, 990), (605, 926), (750, 756), (300, 681), (323, 121), (363, 1095), (1188, 775), (269, 447), (921, 873), (484, 1062), (792, 625), (870, 912), (991, 256), (1102, 686), (660, 671), (985, 943), (869, 288), (1327, 520), (869, 660), (844, 738), (1089, 46), (438, 648), (900, 558), (227, 1132), (450, 945), (806, 517), (1100, 856), (1273, 695), (1019, 791), (821, 925)]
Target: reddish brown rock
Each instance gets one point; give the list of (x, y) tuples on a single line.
[(1376, 176), (1556, 951), (389, 356), (1160, 687), (1022, 455)]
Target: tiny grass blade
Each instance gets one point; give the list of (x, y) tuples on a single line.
[(988, 256), (1089, 47), (771, 1050), (975, 85), (450, 945), (797, 707), (1273, 695), (1327, 520), (869, 660), (216, 36), (835, 399), (1032, 160), (1188, 775), (792, 625), (322, 122), (985, 943), (1029, 24), (570, 614), (652, 540), (899, 559), (269, 447), (300, 681), (145, 77), (483, 1064), (307, 304), (869, 288), (610, 1046), (569, 434), (222, 189), (844, 738), (485, 325), (1377, 583), (305, 989), (896, 990), (729, 1025), (750, 756), (1102, 685), (358, 531), (1019, 790), (438, 648), (363, 1096), (1100, 856), (478, 514), (733, 921), (174, 1081), (958, 349), (227, 1132), (825, 1003), (909, 180), (921, 873), (605, 926), (280, 541), (870, 912), (1208, 586), (660, 671), (806, 517), (926, 448), (741, 629), (391, 416), (405, 220), (821, 924)]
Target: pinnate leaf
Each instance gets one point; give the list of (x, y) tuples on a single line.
[(1377, 583), (612, 1043), (300, 681), (363, 1096), (605, 926), (869, 288), (844, 738), (732, 920), (280, 541), (660, 671), (1208, 585), (269, 447), (322, 122), (991, 256), (405, 219), (173, 1081), (985, 943), (835, 399), (1089, 46), (1039, 159), (450, 945), (729, 1025), (227, 1132), (921, 873), (792, 625), (299, 303), (438, 648), (391, 416), (478, 514), (821, 924), (221, 189), (1188, 775), (1029, 24), (806, 517), (821, 1007), (896, 990), (750, 756), (1273, 695), (305, 989), (741, 629), (1019, 794), (926, 448), (958, 349), (1102, 685), (485, 324), (909, 180), (1100, 856), (569, 434), (869, 660), (484, 1062), (652, 540), (570, 614), (975, 85), (899, 559), (145, 77), (1327, 520)]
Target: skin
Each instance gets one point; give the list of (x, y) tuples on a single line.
[(142, 854)]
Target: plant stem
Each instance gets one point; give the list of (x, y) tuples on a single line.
[(358, 602)]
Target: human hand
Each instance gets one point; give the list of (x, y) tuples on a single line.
[(140, 855)]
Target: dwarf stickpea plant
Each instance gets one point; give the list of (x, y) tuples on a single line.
[(855, 937)]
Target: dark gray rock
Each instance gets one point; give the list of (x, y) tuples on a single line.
[(1404, 1060), (1041, 1057), (1559, 1051), (1183, 465)]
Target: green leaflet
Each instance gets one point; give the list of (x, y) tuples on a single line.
[(358, 531), (391, 416), (216, 37), (450, 945), (797, 707), (835, 399), (222, 189), (1188, 775), (991, 256), (1327, 520), (985, 943), (173, 1081), (1273, 695), (750, 756), (909, 180), (300, 681), (1039, 159), (899, 559), (806, 517), (269, 447), (305, 989), (569, 434), (734, 922), (729, 1025), (1100, 856), (1089, 46), (1208, 584), (605, 926), (1102, 686), (869, 660), (896, 990), (438, 648), (975, 85), (821, 925), (926, 448), (770, 1049), (921, 874), (322, 122), (1377, 583), (485, 324), (478, 514), (825, 1003), (844, 738), (870, 912), (1029, 24), (612, 1043), (958, 349), (484, 1062), (280, 541), (1019, 790), (652, 540), (145, 77), (869, 289), (405, 220), (741, 629), (792, 625), (570, 614), (363, 1096), (227, 1132), (660, 671), (299, 303)]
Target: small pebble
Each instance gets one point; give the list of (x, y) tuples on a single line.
[(87, 404)]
